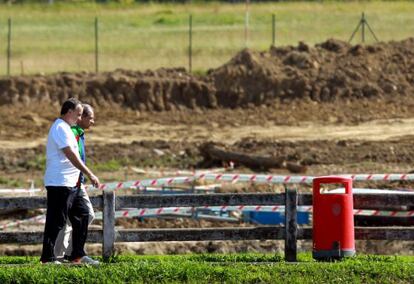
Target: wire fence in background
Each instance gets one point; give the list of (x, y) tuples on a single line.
[(94, 45)]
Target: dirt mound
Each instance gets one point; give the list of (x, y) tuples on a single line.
[(164, 89), (329, 71)]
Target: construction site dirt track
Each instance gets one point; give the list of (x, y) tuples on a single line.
[(332, 82), (334, 108), (332, 91)]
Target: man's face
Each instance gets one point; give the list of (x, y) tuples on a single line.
[(87, 121), (75, 114)]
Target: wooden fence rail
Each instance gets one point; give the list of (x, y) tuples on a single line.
[(108, 202)]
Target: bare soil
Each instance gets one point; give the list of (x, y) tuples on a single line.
[(328, 72), (334, 108)]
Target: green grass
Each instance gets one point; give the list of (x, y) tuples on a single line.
[(140, 36), (240, 268), (166, 161), (109, 166), (114, 165), (38, 162), (10, 182)]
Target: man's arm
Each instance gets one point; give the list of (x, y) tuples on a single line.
[(74, 159)]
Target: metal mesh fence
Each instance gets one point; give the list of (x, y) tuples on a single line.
[(66, 42)]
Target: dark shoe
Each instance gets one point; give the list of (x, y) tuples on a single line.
[(66, 258)]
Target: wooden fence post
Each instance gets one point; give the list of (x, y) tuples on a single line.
[(108, 214), (273, 29), (96, 45), (9, 31), (190, 43), (291, 225)]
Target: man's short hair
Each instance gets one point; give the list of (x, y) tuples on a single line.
[(69, 104), (87, 110)]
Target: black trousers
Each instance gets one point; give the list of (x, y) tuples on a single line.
[(79, 217), (64, 202)]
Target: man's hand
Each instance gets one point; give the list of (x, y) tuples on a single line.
[(95, 180), (74, 159)]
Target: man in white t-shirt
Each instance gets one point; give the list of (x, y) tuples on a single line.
[(82, 209), (63, 165)]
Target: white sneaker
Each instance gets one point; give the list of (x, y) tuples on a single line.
[(85, 260)]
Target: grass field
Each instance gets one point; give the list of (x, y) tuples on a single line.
[(60, 37), (238, 268)]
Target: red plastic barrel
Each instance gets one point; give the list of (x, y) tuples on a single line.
[(333, 220)]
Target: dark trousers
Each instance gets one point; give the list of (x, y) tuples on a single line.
[(59, 201), (62, 202), (79, 217)]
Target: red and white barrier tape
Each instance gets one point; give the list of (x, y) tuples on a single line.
[(234, 178), (40, 219), (201, 188), (170, 172), (137, 170), (19, 190), (143, 212)]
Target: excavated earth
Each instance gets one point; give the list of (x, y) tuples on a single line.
[(333, 108), (330, 71)]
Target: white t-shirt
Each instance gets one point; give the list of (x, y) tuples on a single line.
[(59, 170)]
